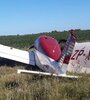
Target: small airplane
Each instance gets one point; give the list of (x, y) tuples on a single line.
[(49, 56)]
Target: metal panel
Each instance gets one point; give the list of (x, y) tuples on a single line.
[(80, 59)]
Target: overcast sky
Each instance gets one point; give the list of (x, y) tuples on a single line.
[(34, 16)]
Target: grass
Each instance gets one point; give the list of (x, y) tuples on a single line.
[(15, 86)]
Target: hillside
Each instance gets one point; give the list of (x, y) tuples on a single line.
[(24, 41)]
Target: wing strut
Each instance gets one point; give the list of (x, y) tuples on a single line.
[(19, 71)]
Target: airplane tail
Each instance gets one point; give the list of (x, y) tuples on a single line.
[(68, 46)]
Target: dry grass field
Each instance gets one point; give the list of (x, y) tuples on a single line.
[(15, 86)]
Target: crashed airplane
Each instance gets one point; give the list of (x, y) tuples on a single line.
[(49, 56)]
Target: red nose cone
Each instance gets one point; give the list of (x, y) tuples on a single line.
[(50, 47)]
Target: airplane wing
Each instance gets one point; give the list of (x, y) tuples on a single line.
[(68, 46), (17, 55), (46, 74)]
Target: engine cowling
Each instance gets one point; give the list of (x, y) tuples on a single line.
[(49, 46)]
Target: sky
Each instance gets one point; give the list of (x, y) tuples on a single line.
[(35, 16)]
